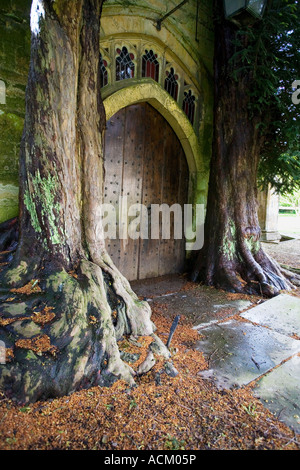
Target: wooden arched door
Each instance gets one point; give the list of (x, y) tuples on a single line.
[(144, 161)]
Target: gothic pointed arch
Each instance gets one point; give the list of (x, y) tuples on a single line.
[(160, 99)]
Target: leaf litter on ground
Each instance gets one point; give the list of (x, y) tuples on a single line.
[(185, 412)]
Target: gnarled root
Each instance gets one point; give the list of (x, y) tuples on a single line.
[(59, 337), (250, 272), (61, 332)]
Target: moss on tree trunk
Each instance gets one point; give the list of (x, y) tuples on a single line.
[(61, 274)]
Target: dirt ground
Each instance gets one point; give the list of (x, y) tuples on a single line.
[(185, 412), (286, 252)]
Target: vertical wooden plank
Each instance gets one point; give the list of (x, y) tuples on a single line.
[(175, 173), (167, 258), (134, 144), (183, 183), (152, 182), (113, 166)]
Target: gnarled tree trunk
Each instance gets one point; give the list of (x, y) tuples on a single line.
[(232, 257), (64, 303)]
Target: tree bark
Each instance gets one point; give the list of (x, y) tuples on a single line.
[(61, 292), (232, 257)]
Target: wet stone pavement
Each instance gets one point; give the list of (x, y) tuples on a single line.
[(245, 340)]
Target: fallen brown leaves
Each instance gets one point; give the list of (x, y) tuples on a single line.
[(46, 315), (8, 321), (42, 317), (185, 412), (31, 288), (39, 344)]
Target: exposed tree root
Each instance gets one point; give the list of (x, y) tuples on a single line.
[(82, 348), (249, 272), (77, 345), (291, 269), (136, 316), (292, 274), (61, 176)]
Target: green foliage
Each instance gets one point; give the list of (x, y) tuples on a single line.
[(133, 404), (172, 443), (281, 170), (25, 409), (250, 409), (271, 61), (291, 199)]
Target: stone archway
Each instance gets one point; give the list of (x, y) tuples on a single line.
[(151, 92)]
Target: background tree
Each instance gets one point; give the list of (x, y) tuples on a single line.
[(291, 200), (64, 335), (255, 128)]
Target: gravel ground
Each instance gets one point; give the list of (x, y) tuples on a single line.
[(286, 252)]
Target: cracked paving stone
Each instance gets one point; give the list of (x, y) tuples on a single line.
[(240, 352)]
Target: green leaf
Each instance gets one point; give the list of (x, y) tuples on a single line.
[(25, 409)]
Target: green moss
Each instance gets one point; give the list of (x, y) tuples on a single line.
[(228, 247), (57, 7), (43, 193), (232, 228), (25, 329), (32, 211), (12, 310), (15, 275), (8, 201), (253, 245), (62, 286), (30, 356), (11, 127)]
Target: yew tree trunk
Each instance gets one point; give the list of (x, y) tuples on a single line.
[(64, 304), (232, 257)]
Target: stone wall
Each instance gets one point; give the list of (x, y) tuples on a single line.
[(14, 63), (189, 26), (186, 41)]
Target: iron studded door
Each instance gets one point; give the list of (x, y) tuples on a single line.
[(145, 162)]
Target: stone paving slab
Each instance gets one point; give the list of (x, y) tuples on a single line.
[(262, 345), (239, 352), (281, 313), (279, 391)]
